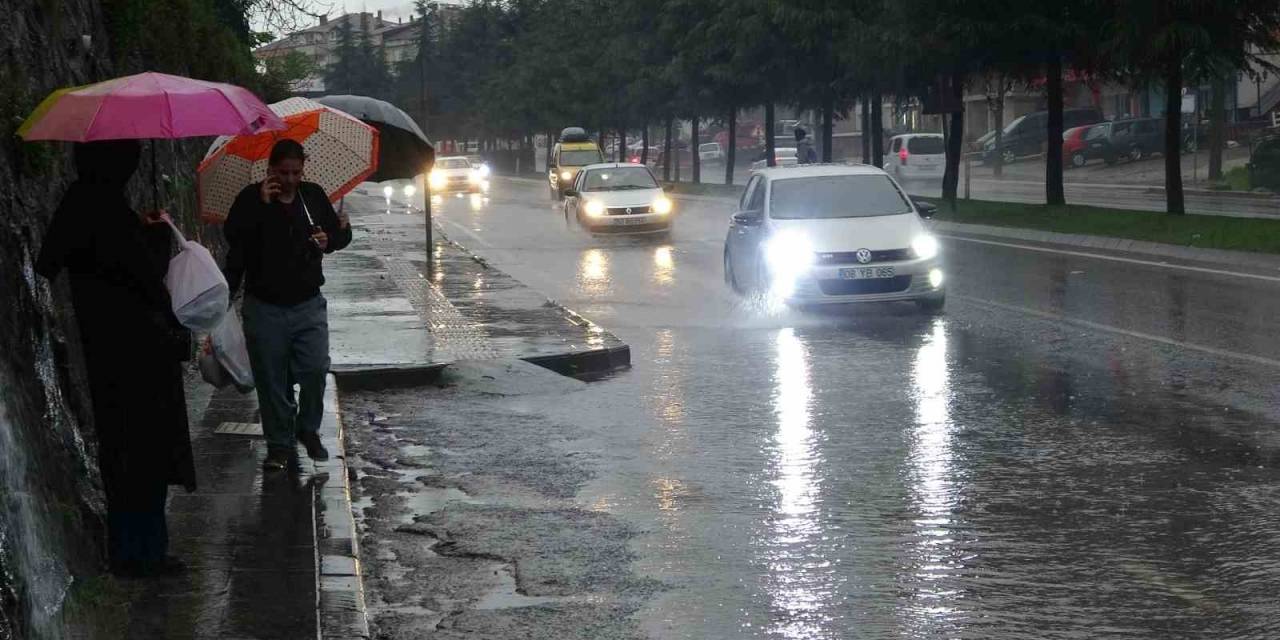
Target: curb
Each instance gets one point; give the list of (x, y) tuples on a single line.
[(390, 376), (340, 605), (1107, 243), (1241, 195)]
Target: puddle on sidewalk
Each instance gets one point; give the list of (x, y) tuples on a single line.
[(506, 596)]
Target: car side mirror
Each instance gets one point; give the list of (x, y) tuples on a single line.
[(571, 193), (927, 209), (747, 218)]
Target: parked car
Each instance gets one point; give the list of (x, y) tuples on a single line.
[(783, 157), (1074, 145), (1028, 135), (827, 234), (1128, 139), (1264, 166), (710, 152), (634, 154), (618, 197), (916, 156)]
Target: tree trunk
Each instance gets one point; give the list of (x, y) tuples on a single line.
[(770, 142), (1217, 127), (667, 151), (866, 130), (600, 138), (644, 148), (955, 141), (1173, 134), (828, 116), (877, 129), (693, 152), (1054, 193), (622, 143), (731, 154)]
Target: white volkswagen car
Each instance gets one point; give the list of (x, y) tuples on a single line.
[(824, 234), (618, 197)]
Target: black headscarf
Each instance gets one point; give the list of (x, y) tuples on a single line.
[(102, 170)]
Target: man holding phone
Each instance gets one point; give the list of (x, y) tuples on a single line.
[(278, 232)]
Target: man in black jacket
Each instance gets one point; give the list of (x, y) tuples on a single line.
[(278, 232)]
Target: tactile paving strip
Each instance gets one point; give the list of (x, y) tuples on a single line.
[(454, 335)]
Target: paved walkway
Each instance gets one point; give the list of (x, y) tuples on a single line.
[(274, 556), (248, 540)]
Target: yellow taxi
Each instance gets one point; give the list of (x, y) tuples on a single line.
[(574, 151)]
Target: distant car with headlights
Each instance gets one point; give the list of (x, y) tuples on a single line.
[(453, 174), (824, 234), (618, 197), (574, 151)]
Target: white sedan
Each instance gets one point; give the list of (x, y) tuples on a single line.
[(456, 173), (823, 234), (618, 197), (783, 157)]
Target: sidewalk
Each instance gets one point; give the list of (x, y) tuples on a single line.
[(275, 556)]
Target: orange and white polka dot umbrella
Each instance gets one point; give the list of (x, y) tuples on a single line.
[(341, 152)]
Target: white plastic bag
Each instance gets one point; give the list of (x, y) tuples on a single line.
[(228, 345), (196, 286)]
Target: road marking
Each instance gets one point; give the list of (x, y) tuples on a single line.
[(1102, 256), (1124, 332)]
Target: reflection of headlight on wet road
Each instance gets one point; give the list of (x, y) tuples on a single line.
[(595, 208), (925, 247), (409, 190), (662, 206)]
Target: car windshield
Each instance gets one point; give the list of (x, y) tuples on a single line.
[(709, 147), (1097, 132), (579, 158), (926, 145), (453, 163), (844, 196), (1014, 125), (618, 179)]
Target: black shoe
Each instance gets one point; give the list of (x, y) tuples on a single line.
[(276, 461), (315, 450)]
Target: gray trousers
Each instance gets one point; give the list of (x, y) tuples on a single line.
[(287, 346)]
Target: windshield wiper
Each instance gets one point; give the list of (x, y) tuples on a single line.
[(631, 186)]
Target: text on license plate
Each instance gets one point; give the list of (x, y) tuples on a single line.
[(631, 221), (866, 273)]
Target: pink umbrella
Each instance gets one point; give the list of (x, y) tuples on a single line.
[(148, 105)]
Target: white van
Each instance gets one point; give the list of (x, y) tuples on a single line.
[(916, 156)]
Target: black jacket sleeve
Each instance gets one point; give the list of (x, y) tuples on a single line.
[(323, 214), (239, 227)]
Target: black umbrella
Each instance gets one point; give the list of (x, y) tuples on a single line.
[(404, 150)]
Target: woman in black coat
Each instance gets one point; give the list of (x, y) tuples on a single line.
[(133, 349)]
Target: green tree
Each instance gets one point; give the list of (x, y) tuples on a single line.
[(1183, 41)]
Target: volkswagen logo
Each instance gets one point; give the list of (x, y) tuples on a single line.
[(628, 210), (863, 255)]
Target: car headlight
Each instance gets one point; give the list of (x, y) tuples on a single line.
[(595, 208), (387, 191), (935, 278), (662, 206), (436, 180), (788, 254), (474, 176), (484, 170), (565, 175), (925, 247), (409, 190)]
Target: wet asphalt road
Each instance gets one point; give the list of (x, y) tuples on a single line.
[(1078, 448)]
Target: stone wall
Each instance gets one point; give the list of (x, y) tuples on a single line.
[(51, 531)]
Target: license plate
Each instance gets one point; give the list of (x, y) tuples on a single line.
[(631, 221), (866, 273)]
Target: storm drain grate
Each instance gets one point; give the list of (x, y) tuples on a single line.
[(251, 429)]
